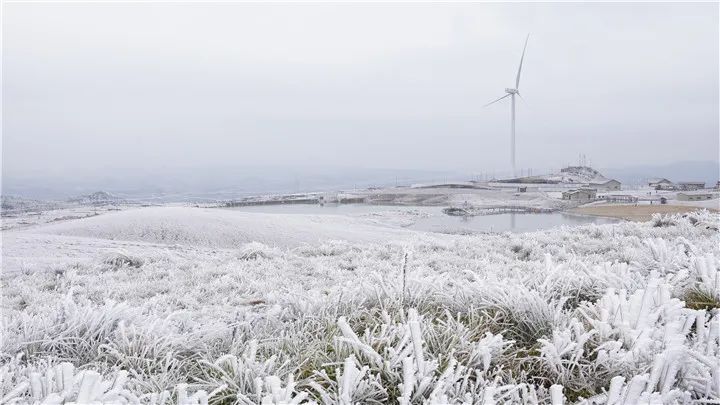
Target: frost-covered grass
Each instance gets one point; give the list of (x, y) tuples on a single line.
[(608, 314)]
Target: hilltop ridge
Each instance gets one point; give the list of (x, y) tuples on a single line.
[(567, 175)]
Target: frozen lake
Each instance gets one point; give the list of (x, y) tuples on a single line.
[(432, 219)]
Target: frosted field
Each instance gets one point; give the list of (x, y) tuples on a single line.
[(190, 305)]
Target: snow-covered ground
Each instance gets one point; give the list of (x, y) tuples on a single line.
[(183, 305), (20, 212), (709, 204), (47, 246)]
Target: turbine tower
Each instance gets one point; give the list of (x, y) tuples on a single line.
[(511, 92)]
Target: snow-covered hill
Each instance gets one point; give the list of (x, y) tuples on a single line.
[(96, 198), (219, 228), (581, 174), (568, 175)]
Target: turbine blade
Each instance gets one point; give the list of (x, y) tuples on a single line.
[(521, 97), (517, 79), (495, 101)]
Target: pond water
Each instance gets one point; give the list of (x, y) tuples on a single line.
[(432, 219)]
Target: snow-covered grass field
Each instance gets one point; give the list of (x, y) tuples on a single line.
[(156, 306)]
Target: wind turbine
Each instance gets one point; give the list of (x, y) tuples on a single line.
[(511, 92)]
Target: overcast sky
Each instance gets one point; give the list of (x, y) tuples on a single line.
[(90, 86)]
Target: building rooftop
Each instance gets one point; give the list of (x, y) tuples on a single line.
[(698, 192), (586, 190)]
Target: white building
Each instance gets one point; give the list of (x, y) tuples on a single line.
[(694, 196), (582, 194), (661, 184), (329, 198), (611, 184), (691, 185)]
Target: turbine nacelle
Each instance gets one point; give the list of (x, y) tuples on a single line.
[(511, 91)]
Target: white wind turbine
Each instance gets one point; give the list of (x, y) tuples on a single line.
[(511, 93)]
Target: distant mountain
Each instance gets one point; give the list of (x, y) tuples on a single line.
[(96, 198), (209, 184), (706, 171), (221, 183)]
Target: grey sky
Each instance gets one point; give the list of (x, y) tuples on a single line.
[(90, 86)]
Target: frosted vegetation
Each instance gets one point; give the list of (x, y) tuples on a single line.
[(609, 314)]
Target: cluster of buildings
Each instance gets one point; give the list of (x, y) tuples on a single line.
[(589, 192), (591, 185), (692, 190), (688, 191), (665, 184)]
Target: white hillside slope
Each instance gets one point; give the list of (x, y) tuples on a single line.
[(221, 228), (183, 230)]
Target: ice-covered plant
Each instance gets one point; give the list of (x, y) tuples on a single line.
[(62, 383), (256, 250), (246, 379), (352, 385), (706, 273)]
